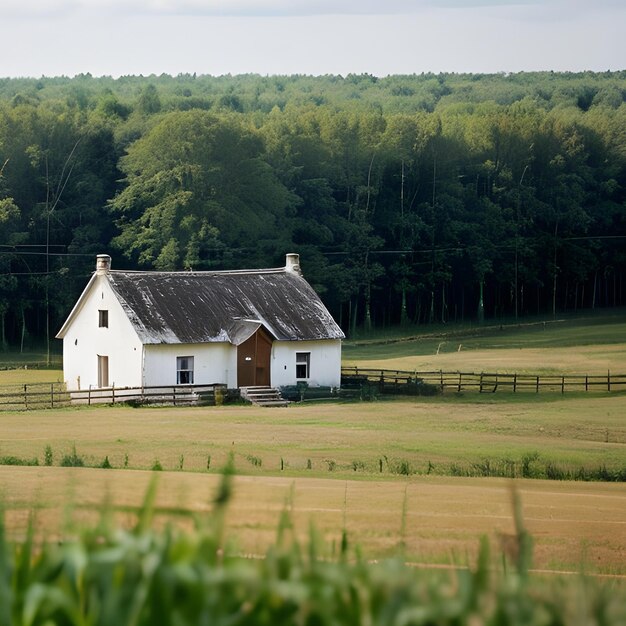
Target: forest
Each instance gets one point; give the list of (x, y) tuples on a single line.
[(412, 200)]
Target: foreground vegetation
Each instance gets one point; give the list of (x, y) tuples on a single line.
[(109, 575)]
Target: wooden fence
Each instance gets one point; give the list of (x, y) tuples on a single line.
[(54, 395), (33, 396), (51, 395), (395, 380)]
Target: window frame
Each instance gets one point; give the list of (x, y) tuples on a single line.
[(303, 360), (185, 370), (103, 318)]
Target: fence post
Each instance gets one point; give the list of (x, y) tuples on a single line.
[(441, 379), (89, 396), (562, 385), (608, 380), (25, 397), (537, 386), (174, 395), (459, 388), (515, 382), (480, 389), (51, 395), (587, 382), (113, 393)]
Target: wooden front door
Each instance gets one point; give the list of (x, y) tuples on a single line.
[(253, 360)]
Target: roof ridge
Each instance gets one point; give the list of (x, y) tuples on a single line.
[(271, 270)]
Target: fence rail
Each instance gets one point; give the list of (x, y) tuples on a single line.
[(33, 396), (483, 382), (54, 395)]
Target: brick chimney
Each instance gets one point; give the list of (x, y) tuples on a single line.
[(103, 263), (292, 263)]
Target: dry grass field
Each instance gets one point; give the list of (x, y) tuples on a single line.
[(573, 524)]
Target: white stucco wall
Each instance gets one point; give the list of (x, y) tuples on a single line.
[(213, 363), (325, 370), (217, 363), (84, 341)]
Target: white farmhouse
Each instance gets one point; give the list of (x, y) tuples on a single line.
[(240, 328)]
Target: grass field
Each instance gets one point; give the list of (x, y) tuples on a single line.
[(592, 347), (575, 430), (381, 470), (344, 445)]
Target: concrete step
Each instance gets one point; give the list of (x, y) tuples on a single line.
[(263, 396)]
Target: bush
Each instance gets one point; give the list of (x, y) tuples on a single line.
[(254, 460), (403, 467), (47, 456), (527, 460), (73, 459), (16, 460)]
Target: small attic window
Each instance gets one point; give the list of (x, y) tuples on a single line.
[(103, 318)]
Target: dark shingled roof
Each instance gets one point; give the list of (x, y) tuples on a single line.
[(199, 307)]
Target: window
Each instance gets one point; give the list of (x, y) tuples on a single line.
[(184, 370), (103, 318), (303, 364)]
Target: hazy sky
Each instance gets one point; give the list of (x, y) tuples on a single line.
[(117, 37)]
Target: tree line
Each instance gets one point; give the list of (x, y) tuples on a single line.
[(411, 199)]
